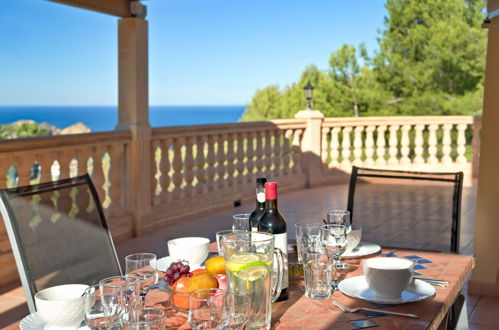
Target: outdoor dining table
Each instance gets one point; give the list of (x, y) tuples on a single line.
[(301, 312)]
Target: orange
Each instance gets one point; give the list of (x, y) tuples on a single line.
[(216, 265), (202, 281), (181, 300)]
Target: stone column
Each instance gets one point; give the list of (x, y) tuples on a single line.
[(133, 106), (311, 146), (485, 279)]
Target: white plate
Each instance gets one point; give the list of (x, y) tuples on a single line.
[(163, 264), (357, 287), (362, 250), (34, 322)]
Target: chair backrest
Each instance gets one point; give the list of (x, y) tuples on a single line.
[(58, 234), (407, 209)]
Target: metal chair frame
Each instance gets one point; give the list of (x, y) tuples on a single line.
[(413, 175), (10, 221)]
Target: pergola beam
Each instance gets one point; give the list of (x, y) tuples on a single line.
[(120, 8)]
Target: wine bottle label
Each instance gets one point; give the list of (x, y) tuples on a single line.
[(260, 197), (281, 242)]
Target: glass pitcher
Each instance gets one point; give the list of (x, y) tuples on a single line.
[(249, 258)]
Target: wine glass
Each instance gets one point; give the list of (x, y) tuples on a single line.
[(143, 267), (103, 306), (207, 309), (334, 240), (339, 217)]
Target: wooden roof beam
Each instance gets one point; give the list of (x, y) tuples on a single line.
[(120, 8)]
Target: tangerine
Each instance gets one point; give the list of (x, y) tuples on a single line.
[(216, 265)]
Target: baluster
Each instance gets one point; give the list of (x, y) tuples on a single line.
[(116, 178), (357, 145), (231, 156), (63, 157), (24, 163), (177, 168), (296, 156), (404, 145), (418, 144), (260, 136), (432, 144), (201, 186), (164, 169), (461, 143), (98, 173), (155, 172), (475, 145), (446, 144), (210, 159), (345, 148), (82, 161), (188, 166), (380, 146), (369, 144), (286, 152), (268, 154), (240, 157), (46, 162), (393, 145), (221, 160), (250, 162), (324, 146), (335, 147), (277, 154), (5, 163)]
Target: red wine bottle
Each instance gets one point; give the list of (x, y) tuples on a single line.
[(272, 222), (260, 204)]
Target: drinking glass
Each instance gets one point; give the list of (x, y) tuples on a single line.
[(207, 309), (317, 271), (103, 306), (129, 286), (143, 267), (249, 257), (237, 309), (219, 235), (334, 241), (241, 222), (144, 319), (307, 236)]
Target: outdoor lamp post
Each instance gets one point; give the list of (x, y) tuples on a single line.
[(309, 90)]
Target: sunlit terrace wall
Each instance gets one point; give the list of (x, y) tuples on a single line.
[(200, 169)]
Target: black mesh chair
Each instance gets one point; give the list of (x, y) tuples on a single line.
[(58, 234), (407, 209)]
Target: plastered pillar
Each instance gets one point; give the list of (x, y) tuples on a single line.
[(311, 145), (484, 280), (133, 108)]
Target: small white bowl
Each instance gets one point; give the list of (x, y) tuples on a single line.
[(61, 305), (193, 249)]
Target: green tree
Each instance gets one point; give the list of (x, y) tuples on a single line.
[(431, 47)]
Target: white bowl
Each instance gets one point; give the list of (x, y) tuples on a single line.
[(61, 305), (388, 277), (193, 249), (353, 239)]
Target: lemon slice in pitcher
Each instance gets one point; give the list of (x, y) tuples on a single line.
[(237, 262), (252, 273)]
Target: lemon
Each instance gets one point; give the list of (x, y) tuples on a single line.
[(239, 261), (252, 273), (215, 265)]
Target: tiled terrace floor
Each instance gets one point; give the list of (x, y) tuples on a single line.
[(299, 206)]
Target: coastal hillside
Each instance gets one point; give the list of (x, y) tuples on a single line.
[(30, 128)]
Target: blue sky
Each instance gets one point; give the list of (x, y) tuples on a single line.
[(201, 52)]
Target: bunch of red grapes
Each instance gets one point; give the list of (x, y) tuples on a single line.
[(177, 270)]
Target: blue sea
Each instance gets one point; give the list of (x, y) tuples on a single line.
[(105, 118)]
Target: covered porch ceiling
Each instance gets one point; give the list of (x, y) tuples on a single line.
[(120, 8)]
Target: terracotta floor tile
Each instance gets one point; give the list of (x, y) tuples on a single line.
[(485, 315)]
